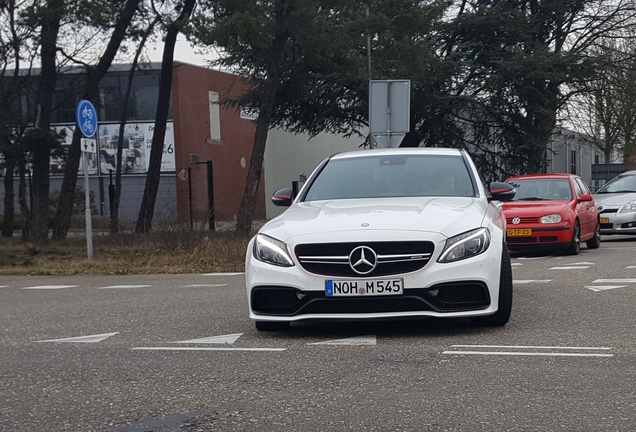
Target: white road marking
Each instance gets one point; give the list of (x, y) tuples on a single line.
[(569, 268), (83, 339), (49, 287), (516, 264), (533, 258), (630, 267), (527, 281), (204, 286), (615, 281), (583, 264), (206, 349), (124, 286), (224, 274), (357, 340), (598, 288), (225, 339), (4, 286), (531, 347), (521, 353), (530, 353), (618, 248)]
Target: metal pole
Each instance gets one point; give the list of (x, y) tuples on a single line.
[(102, 204), (190, 196), (210, 195), (111, 192), (87, 211)]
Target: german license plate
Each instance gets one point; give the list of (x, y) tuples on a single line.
[(365, 287), (518, 232), (604, 220)]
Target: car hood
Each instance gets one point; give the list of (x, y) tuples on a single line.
[(614, 199), (533, 208), (447, 216)]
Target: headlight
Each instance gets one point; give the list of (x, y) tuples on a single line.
[(271, 251), (550, 219), (630, 207), (465, 245)]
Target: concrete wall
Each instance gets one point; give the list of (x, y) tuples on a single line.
[(289, 155)]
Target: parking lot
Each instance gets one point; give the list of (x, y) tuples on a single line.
[(178, 353)]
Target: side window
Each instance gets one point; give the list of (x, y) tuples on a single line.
[(577, 188), (583, 186)]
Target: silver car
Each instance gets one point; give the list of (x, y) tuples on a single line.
[(616, 203)]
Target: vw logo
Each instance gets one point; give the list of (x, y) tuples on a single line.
[(363, 260), (516, 221)]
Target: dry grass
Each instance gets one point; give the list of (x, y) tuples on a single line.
[(167, 250)]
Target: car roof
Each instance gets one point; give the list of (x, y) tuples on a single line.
[(542, 176), (398, 151)]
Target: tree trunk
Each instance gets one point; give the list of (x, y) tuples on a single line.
[(147, 209), (91, 92), (39, 221), (250, 196), (9, 198), (23, 201)]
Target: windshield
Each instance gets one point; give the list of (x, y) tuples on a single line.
[(622, 183), (392, 176), (542, 189)]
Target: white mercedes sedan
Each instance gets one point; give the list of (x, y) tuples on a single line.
[(384, 234)]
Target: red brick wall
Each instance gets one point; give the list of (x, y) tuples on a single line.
[(191, 114)]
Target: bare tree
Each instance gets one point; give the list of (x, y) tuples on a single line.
[(94, 74), (146, 211)]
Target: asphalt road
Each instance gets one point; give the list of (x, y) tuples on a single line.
[(178, 353)]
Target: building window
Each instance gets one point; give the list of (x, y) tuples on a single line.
[(572, 161), (597, 159), (215, 118)]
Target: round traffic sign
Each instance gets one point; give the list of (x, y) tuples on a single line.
[(87, 118)]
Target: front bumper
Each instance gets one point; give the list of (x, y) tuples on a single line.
[(543, 236), (617, 223), (461, 289)]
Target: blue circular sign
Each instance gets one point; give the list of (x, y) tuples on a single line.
[(87, 118)]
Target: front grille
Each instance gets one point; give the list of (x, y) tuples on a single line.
[(608, 211), (523, 220), (448, 297), (520, 240), (607, 226), (549, 239), (332, 259)]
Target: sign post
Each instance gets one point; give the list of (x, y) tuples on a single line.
[(87, 122), (389, 111)]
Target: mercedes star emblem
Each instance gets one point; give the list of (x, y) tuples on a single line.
[(363, 260)]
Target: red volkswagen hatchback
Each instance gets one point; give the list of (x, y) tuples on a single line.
[(551, 211)]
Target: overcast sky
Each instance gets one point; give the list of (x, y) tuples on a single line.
[(183, 52)]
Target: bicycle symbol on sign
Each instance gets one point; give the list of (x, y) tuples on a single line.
[(87, 113), (88, 126)]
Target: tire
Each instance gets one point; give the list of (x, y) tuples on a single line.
[(575, 243), (595, 241), (502, 316), (271, 325)]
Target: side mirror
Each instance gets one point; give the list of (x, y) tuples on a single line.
[(585, 197), (283, 197), (501, 191)]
